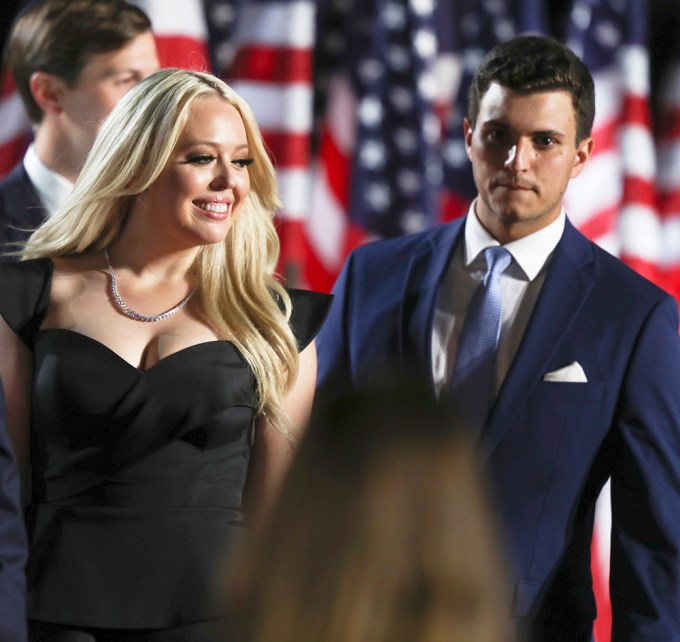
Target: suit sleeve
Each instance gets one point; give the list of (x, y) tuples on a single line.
[(13, 547), (645, 553)]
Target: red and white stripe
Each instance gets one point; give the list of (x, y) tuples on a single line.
[(613, 201), (600, 552), (181, 32), (272, 70), (330, 235), (668, 155), (16, 126)]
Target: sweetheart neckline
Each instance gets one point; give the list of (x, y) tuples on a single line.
[(125, 361)]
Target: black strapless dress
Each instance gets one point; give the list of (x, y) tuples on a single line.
[(137, 474)]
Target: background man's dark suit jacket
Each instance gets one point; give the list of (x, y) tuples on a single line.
[(21, 210), (550, 446), (12, 543)]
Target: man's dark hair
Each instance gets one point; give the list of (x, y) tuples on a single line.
[(61, 36), (534, 64)]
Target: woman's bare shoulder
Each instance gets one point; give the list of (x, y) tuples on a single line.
[(72, 273)]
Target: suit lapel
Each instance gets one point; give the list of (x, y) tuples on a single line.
[(424, 273), (566, 287)]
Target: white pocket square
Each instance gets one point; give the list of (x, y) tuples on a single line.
[(573, 373)]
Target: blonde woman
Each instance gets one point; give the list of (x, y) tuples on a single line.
[(159, 372), (382, 532)]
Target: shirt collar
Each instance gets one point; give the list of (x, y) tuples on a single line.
[(52, 188), (530, 252)]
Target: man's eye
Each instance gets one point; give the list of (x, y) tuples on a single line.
[(496, 135), (127, 80), (544, 141)]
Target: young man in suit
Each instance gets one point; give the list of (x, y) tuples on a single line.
[(72, 60), (563, 362)]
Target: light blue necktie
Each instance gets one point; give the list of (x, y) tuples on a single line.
[(472, 385)]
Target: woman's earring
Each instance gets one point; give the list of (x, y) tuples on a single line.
[(141, 195)]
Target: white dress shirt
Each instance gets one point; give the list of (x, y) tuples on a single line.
[(522, 282), (52, 188)]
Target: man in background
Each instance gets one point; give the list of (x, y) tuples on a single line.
[(71, 60), (562, 361)]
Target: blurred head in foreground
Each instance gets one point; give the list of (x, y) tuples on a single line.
[(382, 532)]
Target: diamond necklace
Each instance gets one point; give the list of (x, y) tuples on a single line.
[(129, 312)]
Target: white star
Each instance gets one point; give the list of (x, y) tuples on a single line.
[(406, 140), (409, 181), (504, 29), (434, 172), (472, 58), (454, 153), (431, 128), (425, 43), (401, 98), (493, 6), (222, 14), (372, 154), (398, 58), (427, 86), (607, 34), (581, 15), (422, 7), (370, 111), (378, 196), (370, 69), (413, 221), (394, 16), (224, 53)]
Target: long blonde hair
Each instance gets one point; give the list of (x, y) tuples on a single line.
[(382, 533), (241, 298)]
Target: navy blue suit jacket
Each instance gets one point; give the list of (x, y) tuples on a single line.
[(549, 446), (21, 210), (13, 547)]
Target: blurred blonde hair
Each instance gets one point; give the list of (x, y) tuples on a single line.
[(241, 298), (382, 533)]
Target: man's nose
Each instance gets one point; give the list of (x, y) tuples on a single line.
[(518, 156)]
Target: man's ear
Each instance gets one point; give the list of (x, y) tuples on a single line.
[(583, 152), (468, 130), (47, 91)]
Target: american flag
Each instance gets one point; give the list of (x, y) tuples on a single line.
[(611, 37), (378, 169)]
